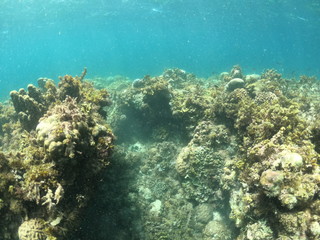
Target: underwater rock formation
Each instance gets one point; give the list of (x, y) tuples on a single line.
[(50, 170), (194, 158), (242, 162)]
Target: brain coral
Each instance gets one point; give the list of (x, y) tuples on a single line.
[(34, 229)]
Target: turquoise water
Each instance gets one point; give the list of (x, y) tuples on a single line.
[(138, 37)]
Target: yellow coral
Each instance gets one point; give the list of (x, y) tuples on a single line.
[(35, 229)]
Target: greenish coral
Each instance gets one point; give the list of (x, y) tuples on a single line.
[(144, 110), (50, 167), (192, 160), (251, 151), (201, 161), (247, 151), (29, 106)]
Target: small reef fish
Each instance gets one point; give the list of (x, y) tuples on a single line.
[(156, 10), (302, 19)]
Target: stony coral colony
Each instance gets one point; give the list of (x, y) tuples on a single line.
[(55, 144), (233, 156)]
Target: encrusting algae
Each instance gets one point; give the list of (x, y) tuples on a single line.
[(233, 156)]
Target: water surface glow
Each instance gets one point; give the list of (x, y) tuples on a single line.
[(138, 37)]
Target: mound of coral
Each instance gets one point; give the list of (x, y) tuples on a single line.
[(233, 156), (54, 145)]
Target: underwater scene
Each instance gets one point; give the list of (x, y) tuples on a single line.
[(159, 120)]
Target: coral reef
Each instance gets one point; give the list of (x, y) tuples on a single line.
[(242, 162), (50, 166), (233, 156)]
